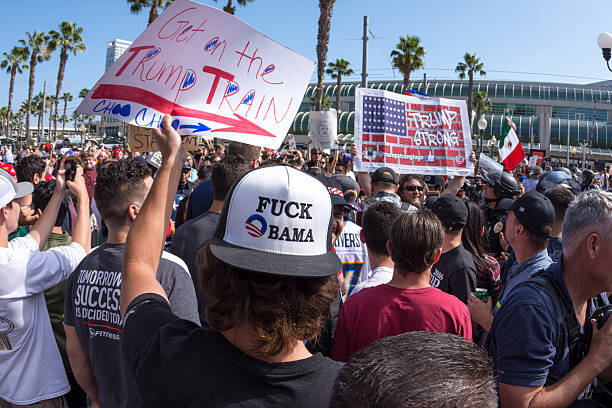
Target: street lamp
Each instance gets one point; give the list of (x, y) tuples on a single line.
[(605, 43), (493, 142), (82, 129), (482, 125)]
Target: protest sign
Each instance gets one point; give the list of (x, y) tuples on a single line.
[(291, 145), (323, 128), (214, 74), (533, 161), (141, 140), (411, 134)]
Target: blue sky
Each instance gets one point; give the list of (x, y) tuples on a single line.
[(515, 40)]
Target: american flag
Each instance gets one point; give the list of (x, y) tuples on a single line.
[(384, 115)]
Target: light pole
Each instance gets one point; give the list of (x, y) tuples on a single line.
[(493, 142), (82, 129), (605, 43), (573, 153), (482, 125)]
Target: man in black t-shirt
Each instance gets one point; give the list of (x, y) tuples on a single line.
[(455, 272), (192, 235), (270, 272), (91, 308)]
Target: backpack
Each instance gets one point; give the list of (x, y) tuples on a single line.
[(599, 395)]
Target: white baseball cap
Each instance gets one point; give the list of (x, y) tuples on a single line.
[(9, 190), (277, 220)]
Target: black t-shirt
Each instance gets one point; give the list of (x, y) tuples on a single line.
[(490, 239), (455, 273), (91, 305), (188, 240), (178, 364)]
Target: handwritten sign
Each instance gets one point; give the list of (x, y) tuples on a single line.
[(214, 74), (141, 140), (411, 135), (323, 128)]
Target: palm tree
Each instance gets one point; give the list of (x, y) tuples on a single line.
[(75, 118), (482, 104), (66, 97), (51, 101), (408, 56), (229, 8), (83, 92), (36, 46), (326, 8), (470, 66), (136, 7), (18, 122), (325, 102), (14, 64), (69, 39), (337, 70), (4, 119)]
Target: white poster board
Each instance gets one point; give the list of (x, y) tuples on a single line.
[(411, 134), (214, 74), (323, 128), (533, 161)]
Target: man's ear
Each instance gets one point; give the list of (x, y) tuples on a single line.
[(36, 179), (133, 211), (437, 256), (361, 236)]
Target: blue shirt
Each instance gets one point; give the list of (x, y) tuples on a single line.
[(525, 333), (200, 200), (522, 271), (555, 249)]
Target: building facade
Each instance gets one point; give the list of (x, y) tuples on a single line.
[(111, 126), (548, 116)]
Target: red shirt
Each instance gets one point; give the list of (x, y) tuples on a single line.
[(90, 182), (382, 311)]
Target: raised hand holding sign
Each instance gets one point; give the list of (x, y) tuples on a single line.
[(215, 75)]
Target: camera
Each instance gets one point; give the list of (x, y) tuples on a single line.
[(70, 165), (601, 315)]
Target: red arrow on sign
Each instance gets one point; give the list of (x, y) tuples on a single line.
[(144, 97)]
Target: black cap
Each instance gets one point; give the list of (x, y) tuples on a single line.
[(385, 174), (434, 180), (451, 210), (334, 188), (533, 210)]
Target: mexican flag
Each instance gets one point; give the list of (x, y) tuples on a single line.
[(510, 149)]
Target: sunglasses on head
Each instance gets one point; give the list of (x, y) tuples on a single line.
[(413, 188)]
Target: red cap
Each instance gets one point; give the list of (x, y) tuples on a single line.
[(48, 177), (116, 151), (47, 147), (9, 169)]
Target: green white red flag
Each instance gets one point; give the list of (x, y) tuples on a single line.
[(510, 149)]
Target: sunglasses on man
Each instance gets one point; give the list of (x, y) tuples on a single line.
[(413, 188)]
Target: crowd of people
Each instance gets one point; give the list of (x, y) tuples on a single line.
[(240, 276)]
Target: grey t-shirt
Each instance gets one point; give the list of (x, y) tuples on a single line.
[(188, 240), (91, 305)]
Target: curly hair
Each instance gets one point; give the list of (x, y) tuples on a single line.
[(120, 184), (28, 166), (41, 196), (279, 310)]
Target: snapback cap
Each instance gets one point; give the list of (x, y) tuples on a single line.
[(533, 210), (451, 210), (277, 220), (9, 189), (385, 174), (434, 180)]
